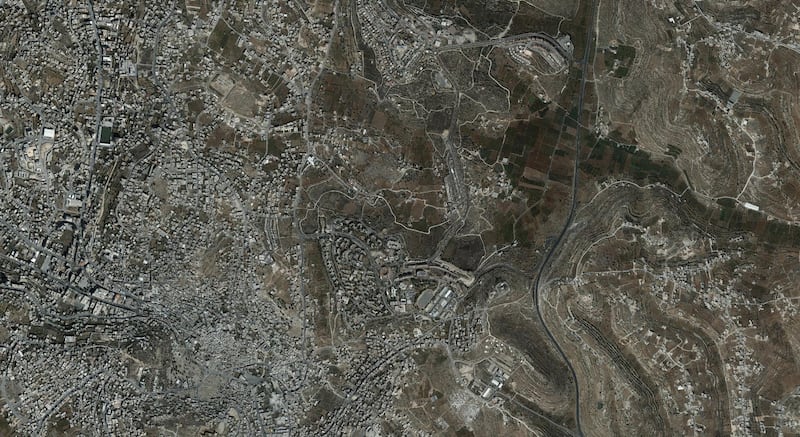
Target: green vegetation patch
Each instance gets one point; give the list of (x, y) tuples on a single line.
[(608, 157), (618, 60), (105, 134)]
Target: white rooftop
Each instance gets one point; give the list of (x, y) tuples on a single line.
[(749, 205)]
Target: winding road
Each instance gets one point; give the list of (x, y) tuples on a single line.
[(584, 65)]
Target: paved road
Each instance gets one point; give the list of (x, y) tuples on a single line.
[(545, 262), (508, 40), (456, 167)]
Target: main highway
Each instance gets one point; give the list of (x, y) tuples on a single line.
[(584, 66)]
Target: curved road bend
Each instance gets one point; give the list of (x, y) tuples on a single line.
[(535, 286)]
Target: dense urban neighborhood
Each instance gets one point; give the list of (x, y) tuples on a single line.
[(399, 217)]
